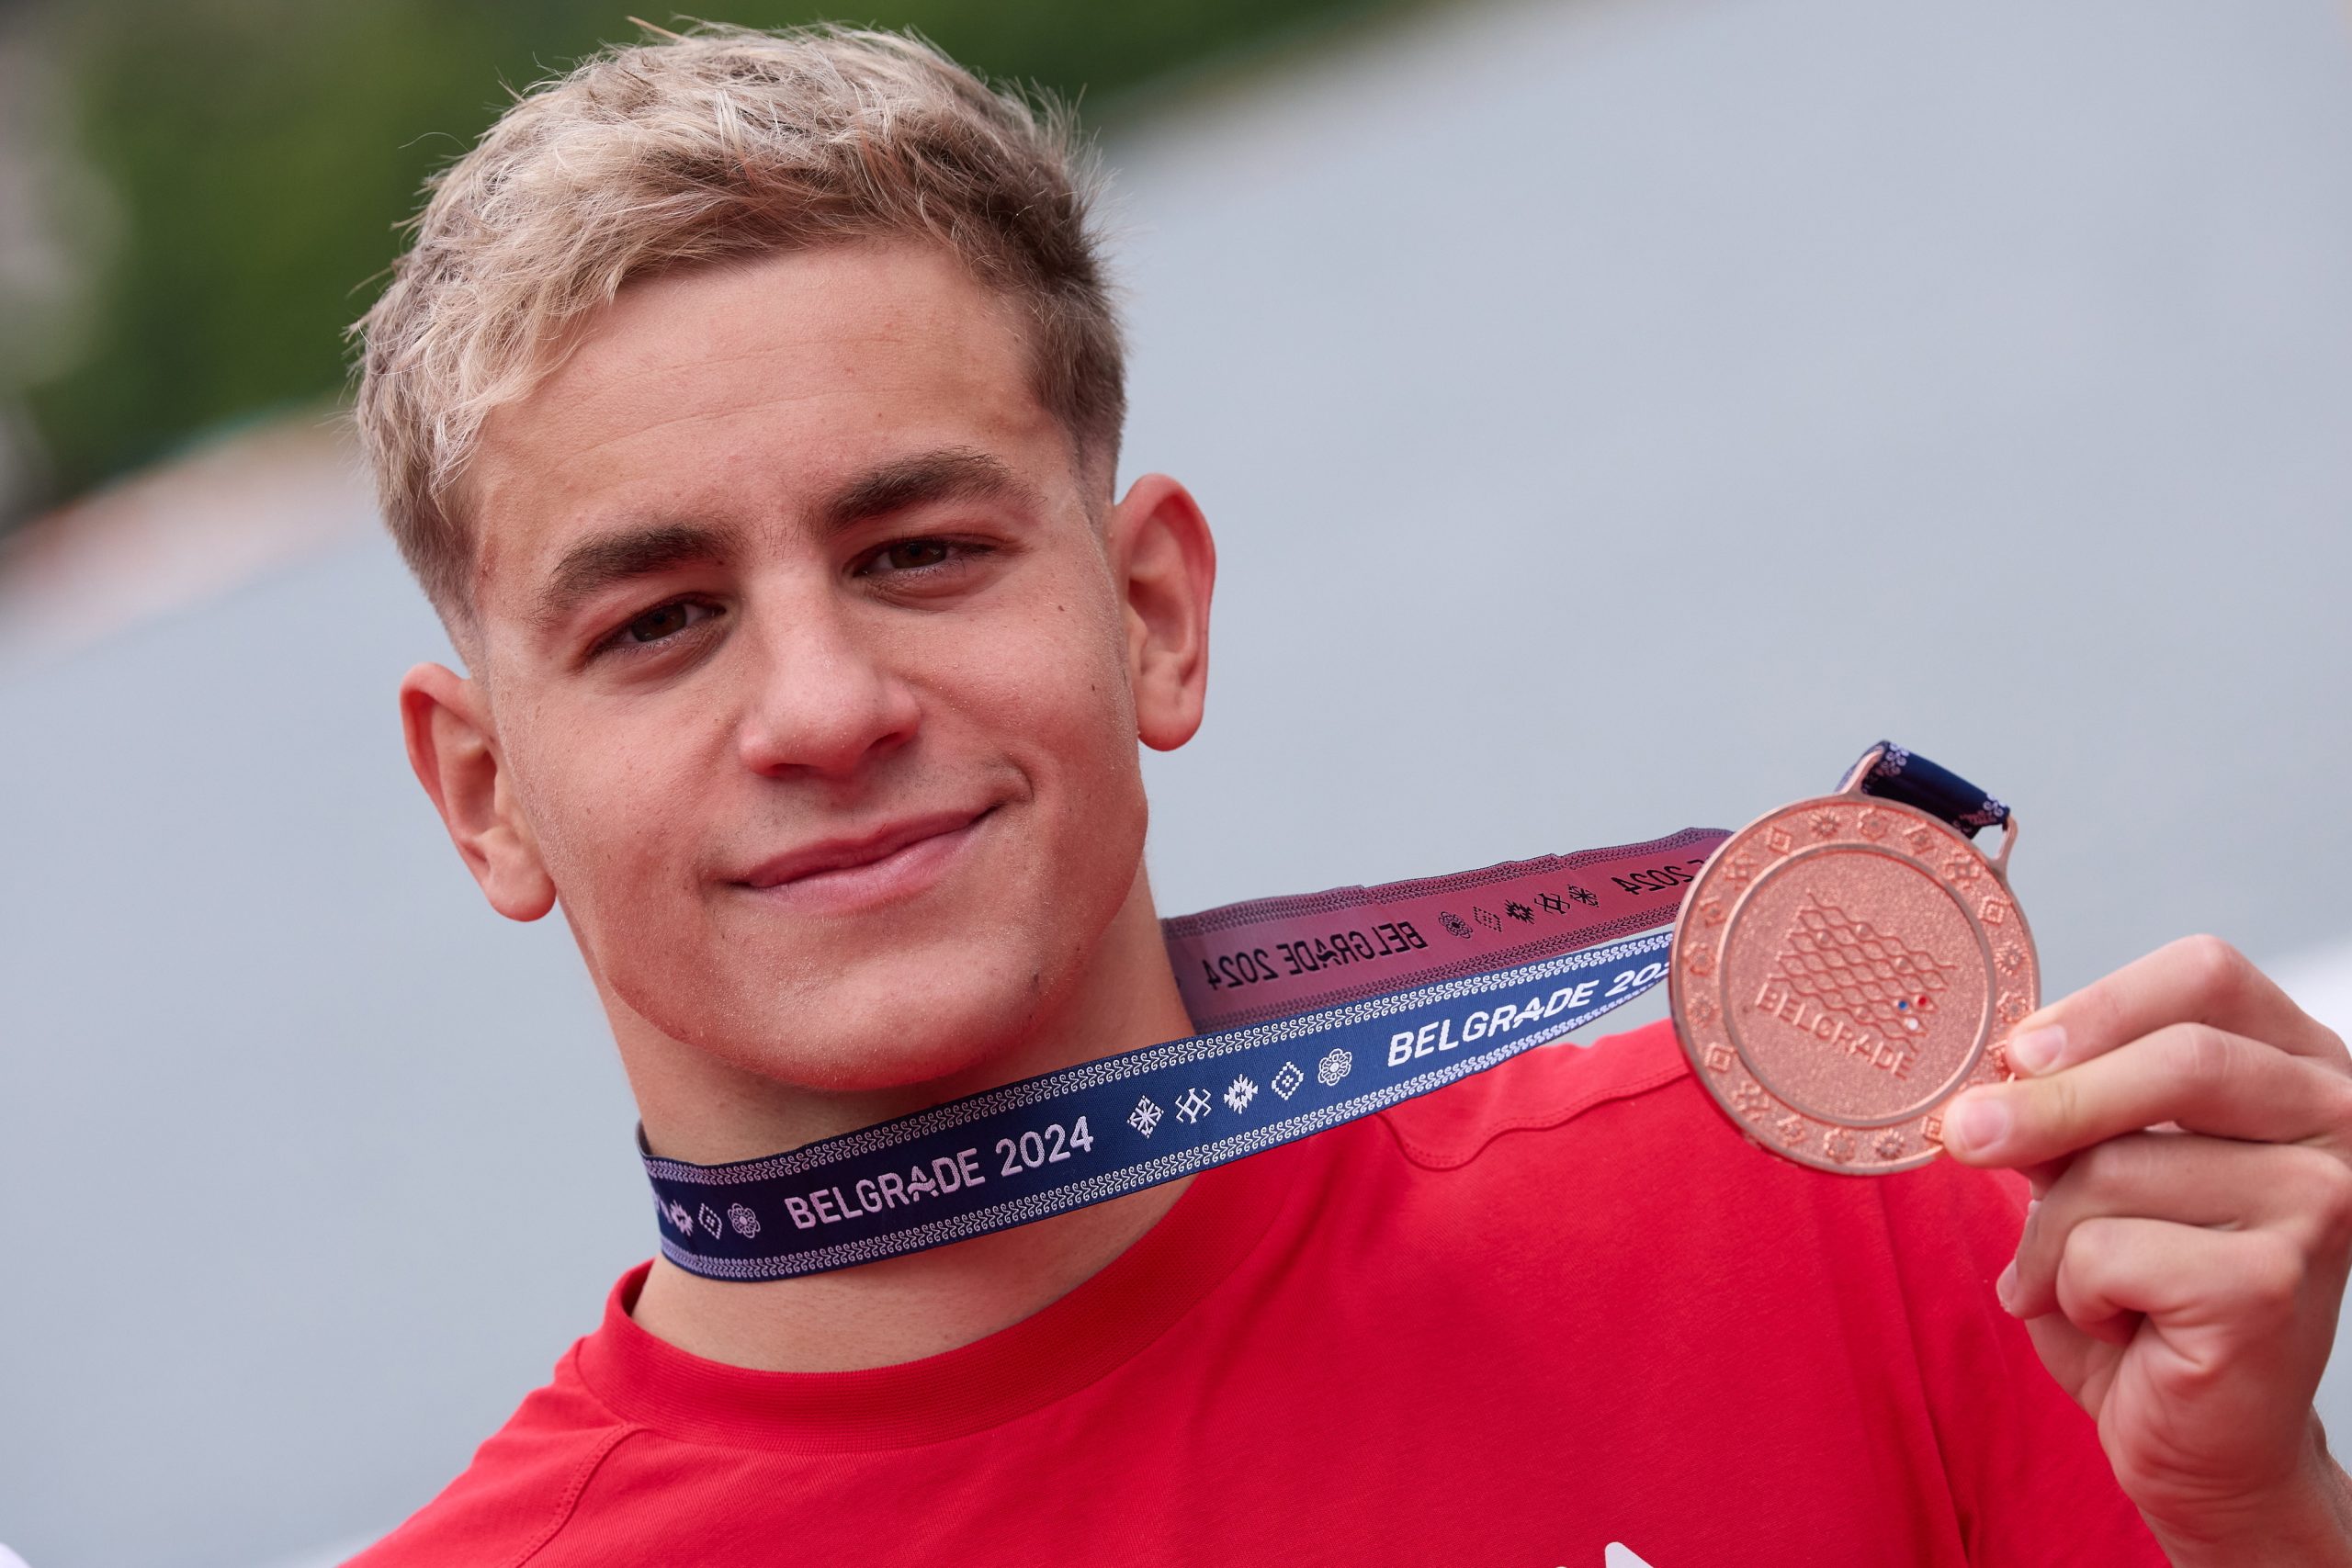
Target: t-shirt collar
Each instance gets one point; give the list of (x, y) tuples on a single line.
[(1055, 1351)]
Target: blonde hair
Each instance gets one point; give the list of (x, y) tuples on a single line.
[(721, 142)]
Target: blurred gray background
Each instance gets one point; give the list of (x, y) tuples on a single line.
[(1614, 415)]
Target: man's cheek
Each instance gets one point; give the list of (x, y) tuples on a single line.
[(606, 840), (1067, 678)]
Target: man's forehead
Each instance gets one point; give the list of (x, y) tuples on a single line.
[(734, 389), (752, 340)]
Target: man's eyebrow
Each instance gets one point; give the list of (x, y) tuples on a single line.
[(950, 473), (602, 560), (617, 555)]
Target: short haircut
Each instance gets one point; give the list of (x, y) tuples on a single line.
[(720, 142)]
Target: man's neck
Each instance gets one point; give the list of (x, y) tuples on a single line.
[(901, 1309)]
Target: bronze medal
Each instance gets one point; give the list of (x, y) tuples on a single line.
[(1842, 967)]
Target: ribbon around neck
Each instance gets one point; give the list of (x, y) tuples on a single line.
[(1313, 1010)]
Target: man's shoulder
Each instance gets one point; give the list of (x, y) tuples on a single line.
[(520, 1488)]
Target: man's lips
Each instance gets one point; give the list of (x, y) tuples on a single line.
[(851, 853)]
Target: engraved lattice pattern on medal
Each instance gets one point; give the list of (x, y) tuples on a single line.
[(1848, 967)]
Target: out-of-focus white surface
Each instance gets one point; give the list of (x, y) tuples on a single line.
[(1614, 416), (2321, 984)]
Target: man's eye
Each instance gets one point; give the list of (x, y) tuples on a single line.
[(663, 622), (914, 554)]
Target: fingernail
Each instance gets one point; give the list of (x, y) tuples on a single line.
[(2033, 1050), (2006, 1286), (1979, 1123)]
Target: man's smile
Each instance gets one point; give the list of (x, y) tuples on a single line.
[(895, 859)]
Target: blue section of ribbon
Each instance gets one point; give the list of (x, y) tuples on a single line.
[(1891, 773), (1035, 1149)]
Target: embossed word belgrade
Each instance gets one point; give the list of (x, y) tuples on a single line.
[(1776, 999)]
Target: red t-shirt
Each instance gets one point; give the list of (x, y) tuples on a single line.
[(1557, 1306)]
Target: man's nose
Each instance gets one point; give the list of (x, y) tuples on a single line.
[(823, 700)]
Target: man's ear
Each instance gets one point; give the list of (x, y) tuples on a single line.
[(454, 750), (1166, 562)]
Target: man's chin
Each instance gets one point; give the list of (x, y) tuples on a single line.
[(925, 1071), (927, 1045)]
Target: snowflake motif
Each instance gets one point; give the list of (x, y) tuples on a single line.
[(1333, 1066), (2011, 1006), (1702, 1010), (1144, 1117), (1872, 825), (1825, 824), (675, 1213), (1700, 962), (1519, 911), (1712, 911), (746, 1222), (1778, 840), (1791, 1129), (1584, 896), (1193, 1106), (1889, 1144), (1838, 1146), (1286, 1082), (710, 1217), (1241, 1092), (2012, 960), (1751, 1099), (1720, 1058)]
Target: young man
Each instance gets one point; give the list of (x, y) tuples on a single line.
[(749, 406)]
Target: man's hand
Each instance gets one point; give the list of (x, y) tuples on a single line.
[(2188, 1133)]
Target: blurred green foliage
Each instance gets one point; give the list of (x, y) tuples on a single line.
[(262, 151)]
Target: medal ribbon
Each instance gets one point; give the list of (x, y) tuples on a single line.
[(1314, 1010), (1888, 771)]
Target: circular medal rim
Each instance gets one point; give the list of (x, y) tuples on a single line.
[(1992, 1037)]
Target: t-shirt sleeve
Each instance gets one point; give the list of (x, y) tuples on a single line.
[(2029, 1479)]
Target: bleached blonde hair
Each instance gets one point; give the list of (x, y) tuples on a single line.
[(721, 142)]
